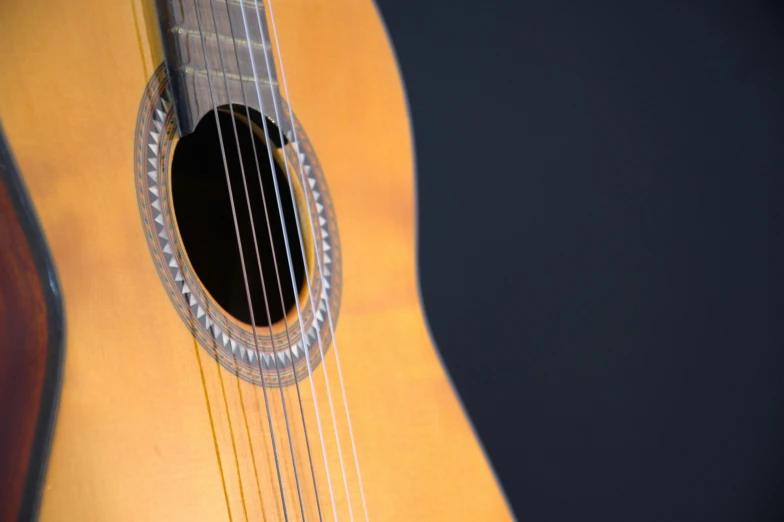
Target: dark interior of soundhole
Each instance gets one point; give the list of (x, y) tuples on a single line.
[(203, 210)]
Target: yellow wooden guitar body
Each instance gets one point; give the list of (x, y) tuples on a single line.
[(149, 427)]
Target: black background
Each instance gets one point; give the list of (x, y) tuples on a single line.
[(600, 193)]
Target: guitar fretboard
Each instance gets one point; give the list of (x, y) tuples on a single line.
[(224, 46)]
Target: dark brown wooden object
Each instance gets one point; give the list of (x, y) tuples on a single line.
[(227, 41), (31, 348)]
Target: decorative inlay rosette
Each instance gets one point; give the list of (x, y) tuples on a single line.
[(222, 336)]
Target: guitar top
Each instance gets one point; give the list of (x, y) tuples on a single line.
[(208, 285)]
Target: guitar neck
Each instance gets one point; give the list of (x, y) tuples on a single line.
[(217, 51)]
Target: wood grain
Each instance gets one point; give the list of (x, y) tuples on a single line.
[(150, 427), (30, 350)]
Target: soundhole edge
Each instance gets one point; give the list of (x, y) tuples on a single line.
[(276, 356)]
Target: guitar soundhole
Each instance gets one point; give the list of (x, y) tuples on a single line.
[(203, 211)]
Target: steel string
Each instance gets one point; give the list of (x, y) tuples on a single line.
[(242, 259), (288, 252), (321, 272), (258, 259), (274, 255)]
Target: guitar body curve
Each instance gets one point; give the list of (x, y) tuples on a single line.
[(31, 357), (150, 426)]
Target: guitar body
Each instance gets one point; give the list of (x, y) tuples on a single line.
[(154, 426)]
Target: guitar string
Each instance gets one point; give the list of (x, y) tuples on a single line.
[(212, 427), (253, 232), (277, 505), (288, 254), (277, 368), (254, 239), (272, 247), (209, 409), (231, 433), (242, 260), (217, 361), (250, 442), (314, 303), (330, 320)]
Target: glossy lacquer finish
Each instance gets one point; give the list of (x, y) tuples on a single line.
[(31, 324), (145, 411)]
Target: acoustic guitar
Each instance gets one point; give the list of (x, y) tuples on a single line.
[(208, 291)]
